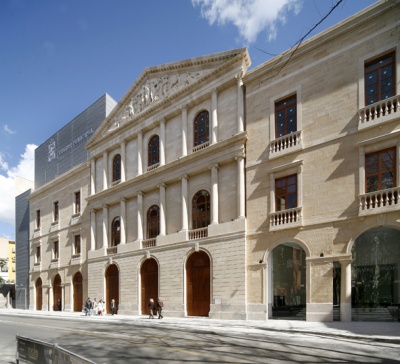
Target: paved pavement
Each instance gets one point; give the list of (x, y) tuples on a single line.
[(374, 331)]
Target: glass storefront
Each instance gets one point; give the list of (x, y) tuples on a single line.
[(289, 282), (375, 276)]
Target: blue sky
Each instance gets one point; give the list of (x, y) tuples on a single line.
[(60, 56)]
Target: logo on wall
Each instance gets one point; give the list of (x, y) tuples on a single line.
[(51, 150)]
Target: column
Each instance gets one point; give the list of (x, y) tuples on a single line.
[(162, 142), (105, 170), (214, 194), (162, 209), (140, 149), (184, 131), (105, 226), (123, 158), (214, 116), (140, 215), (185, 225), (92, 176), (92, 229), (240, 111), (241, 193), (123, 220), (345, 290)]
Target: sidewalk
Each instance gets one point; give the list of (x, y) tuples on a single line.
[(374, 331)]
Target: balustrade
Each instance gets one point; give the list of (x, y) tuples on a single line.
[(376, 113), (285, 142), (286, 217), (149, 243), (198, 233), (379, 200)]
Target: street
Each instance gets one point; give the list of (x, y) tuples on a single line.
[(119, 341)]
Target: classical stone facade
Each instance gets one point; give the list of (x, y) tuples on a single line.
[(167, 191), (236, 194), (322, 167)]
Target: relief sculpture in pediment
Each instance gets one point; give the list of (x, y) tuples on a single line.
[(155, 90)]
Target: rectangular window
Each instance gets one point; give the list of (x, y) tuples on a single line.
[(37, 255), (55, 211), (55, 249), (285, 116), (380, 170), (379, 79), (77, 245), (286, 192), (37, 219), (77, 202)]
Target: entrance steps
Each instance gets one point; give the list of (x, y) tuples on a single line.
[(372, 314)]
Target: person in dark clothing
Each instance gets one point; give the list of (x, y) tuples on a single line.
[(160, 305), (88, 306), (112, 306), (59, 304), (152, 307)]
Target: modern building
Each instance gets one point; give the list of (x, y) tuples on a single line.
[(57, 209), (235, 194)]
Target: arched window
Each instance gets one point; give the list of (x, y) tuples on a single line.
[(201, 128), (116, 232), (154, 151), (201, 210), (116, 168), (153, 222)]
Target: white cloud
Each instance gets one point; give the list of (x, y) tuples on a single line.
[(25, 170), (8, 130), (251, 17)]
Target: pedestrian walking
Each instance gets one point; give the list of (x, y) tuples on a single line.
[(152, 307), (59, 304), (94, 307), (88, 306), (160, 305), (112, 306), (100, 307)]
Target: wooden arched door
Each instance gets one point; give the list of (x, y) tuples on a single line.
[(112, 287), (198, 284), (39, 294), (78, 292), (57, 292), (149, 283)]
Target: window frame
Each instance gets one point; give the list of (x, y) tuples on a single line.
[(380, 169), (198, 139), (377, 67), (153, 156), (116, 168), (77, 203), (284, 107), (286, 195), (202, 219), (153, 222), (56, 212), (77, 237), (38, 220), (116, 231)]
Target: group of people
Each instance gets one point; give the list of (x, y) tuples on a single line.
[(155, 308), (94, 307)]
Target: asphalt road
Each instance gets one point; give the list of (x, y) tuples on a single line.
[(147, 341)]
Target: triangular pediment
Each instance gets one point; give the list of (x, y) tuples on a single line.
[(159, 83)]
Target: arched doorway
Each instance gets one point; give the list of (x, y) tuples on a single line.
[(288, 273), (112, 286), (375, 273), (149, 283), (78, 292), (57, 293), (39, 294), (198, 284)]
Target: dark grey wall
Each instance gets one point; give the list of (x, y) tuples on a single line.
[(22, 250), (66, 148)]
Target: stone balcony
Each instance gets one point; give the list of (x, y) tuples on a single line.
[(379, 112), (379, 201), (285, 219), (285, 144)]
